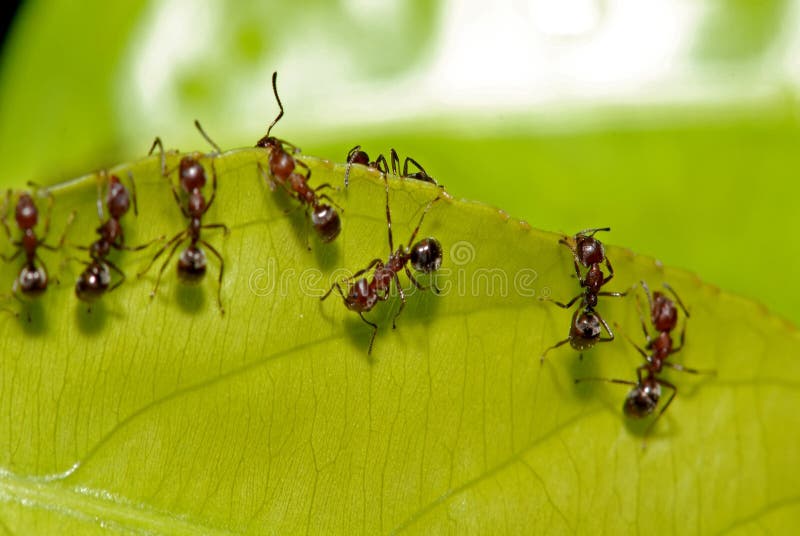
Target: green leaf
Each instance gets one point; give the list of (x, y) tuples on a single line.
[(165, 416)]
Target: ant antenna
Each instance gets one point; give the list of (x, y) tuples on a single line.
[(208, 139), (277, 98)]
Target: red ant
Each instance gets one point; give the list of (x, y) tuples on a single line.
[(192, 261), (357, 156), (643, 399), (95, 280), (362, 294), (32, 279), (587, 324), (282, 170)]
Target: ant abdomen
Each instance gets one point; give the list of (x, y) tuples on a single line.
[(192, 265), (326, 222), (32, 281), (426, 255), (93, 282), (642, 399), (586, 329)]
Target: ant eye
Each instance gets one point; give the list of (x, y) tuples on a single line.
[(426, 255)]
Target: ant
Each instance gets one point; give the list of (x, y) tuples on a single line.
[(95, 280), (32, 279), (283, 171), (357, 156), (587, 324), (643, 399), (192, 260), (425, 256)]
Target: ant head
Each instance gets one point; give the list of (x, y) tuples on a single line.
[(360, 296), (664, 314), (93, 282), (192, 174), (192, 265), (326, 222), (589, 250), (32, 281), (642, 399), (585, 330), (426, 255), (117, 200), (359, 157), (27, 216), (281, 163)]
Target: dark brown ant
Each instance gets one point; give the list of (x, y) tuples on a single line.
[(357, 156), (282, 171), (587, 324), (192, 176), (32, 279), (362, 294), (643, 399), (95, 280)]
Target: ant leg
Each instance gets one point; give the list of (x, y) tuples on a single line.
[(217, 150), (395, 162), (613, 294), (140, 247), (608, 329), (421, 218), (116, 269), (677, 298), (556, 345), (381, 165), (334, 203), (421, 174), (102, 177), (374, 332), (641, 319), (221, 270), (351, 155), (267, 178), (402, 301), (638, 348), (417, 283), (663, 383), (607, 380), (337, 287), (63, 239), (178, 199), (225, 228), (161, 251), (647, 293), (588, 233), (48, 213), (610, 272), (12, 257), (388, 213), (213, 187), (164, 267), (133, 193), (304, 166), (567, 305), (688, 370)]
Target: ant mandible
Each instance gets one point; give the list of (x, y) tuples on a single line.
[(192, 262), (357, 156), (282, 171), (643, 399), (362, 294), (587, 324), (32, 279), (95, 280)]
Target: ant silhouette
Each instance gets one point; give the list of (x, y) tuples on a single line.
[(282, 171), (192, 262), (646, 391), (587, 324), (363, 294), (357, 156)]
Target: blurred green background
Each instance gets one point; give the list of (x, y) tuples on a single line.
[(676, 123)]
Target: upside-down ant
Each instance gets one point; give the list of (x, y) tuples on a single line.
[(357, 156), (95, 280), (282, 171), (587, 324), (643, 399), (192, 176), (362, 294)]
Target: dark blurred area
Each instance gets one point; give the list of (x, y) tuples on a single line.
[(6, 18)]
